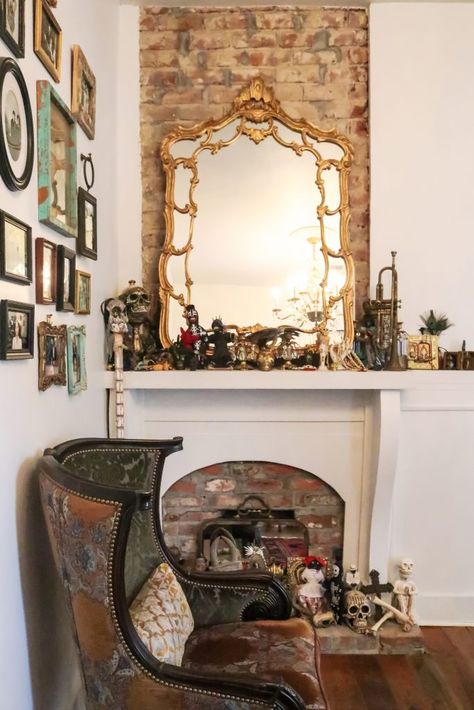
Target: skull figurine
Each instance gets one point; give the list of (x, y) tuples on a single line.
[(406, 568), (357, 611), (137, 302)]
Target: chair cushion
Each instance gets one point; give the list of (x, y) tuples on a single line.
[(162, 617), (270, 649)]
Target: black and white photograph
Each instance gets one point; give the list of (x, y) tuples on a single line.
[(15, 250), (87, 224), (16, 134), (12, 25), (16, 330), (48, 39)]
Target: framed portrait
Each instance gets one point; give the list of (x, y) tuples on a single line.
[(48, 39), (66, 279), (423, 352), (57, 162), (45, 258), (52, 355), (17, 329), (76, 359), (12, 25), (83, 91), (16, 133), (87, 219), (83, 293), (15, 250)]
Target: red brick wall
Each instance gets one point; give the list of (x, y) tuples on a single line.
[(194, 61), (203, 494)]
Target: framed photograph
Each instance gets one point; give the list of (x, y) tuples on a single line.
[(17, 329), (15, 250), (83, 293), (83, 91), (45, 257), (76, 359), (12, 25), (52, 355), (87, 218), (423, 352), (16, 133), (57, 162), (66, 279), (48, 39)]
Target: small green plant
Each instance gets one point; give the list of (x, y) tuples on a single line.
[(434, 323)]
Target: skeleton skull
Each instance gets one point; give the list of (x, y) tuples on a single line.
[(406, 568), (137, 302), (357, 611)]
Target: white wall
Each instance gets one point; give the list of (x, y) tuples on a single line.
[(422, 151), (31, 420)]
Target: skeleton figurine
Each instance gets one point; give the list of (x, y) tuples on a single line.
[(221, 357), (336, 591), (357, 611), (402, 599), (352, 579), (140, 341), (116, 322)]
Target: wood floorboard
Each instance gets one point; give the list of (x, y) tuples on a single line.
[(441, 679), (340, 683), (404, 683)]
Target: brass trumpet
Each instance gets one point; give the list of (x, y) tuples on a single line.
[(387, 317)]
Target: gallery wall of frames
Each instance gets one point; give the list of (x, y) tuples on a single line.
[(45, 126)]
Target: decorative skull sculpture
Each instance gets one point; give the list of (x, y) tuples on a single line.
[(357, 611), (137, 302)]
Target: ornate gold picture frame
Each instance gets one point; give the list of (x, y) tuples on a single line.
[(52, 354)]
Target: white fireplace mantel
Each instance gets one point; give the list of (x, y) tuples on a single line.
[(359, 431)]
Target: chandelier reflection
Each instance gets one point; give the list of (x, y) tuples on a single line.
[(301, 302)]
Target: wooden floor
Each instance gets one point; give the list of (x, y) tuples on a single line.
[(441, 679)]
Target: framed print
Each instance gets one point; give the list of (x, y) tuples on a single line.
[(45, 257), (66, 279), (52, 355), (48, 39), (15, 250), (76, 359), (83, 293), (12, 25), (57, 162), (17, 328), (87, 218), (423, 352), (16, 133), (83, 91)]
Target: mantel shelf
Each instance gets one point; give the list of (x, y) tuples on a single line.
[(294, 380)]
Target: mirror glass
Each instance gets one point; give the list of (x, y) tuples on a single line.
[(256, 225)]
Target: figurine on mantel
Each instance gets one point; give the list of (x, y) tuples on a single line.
[(194, 338), (352, 579), (221, 355), (401, 608), (309, 596), (140, 341)]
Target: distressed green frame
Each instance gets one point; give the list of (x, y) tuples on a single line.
[(46, 96), (80, 333)]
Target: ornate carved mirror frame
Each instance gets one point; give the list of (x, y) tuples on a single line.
[(258, 115)]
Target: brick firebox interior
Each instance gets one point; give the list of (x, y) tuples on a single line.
[(194, 62), (202, 496)]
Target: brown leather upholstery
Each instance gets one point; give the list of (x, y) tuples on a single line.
[(269, 649)]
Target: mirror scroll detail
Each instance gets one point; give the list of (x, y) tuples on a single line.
[(257, 223)]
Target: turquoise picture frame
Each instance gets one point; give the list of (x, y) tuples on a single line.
[(57, 162), (76, 359)]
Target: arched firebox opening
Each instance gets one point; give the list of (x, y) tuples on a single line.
[(194, 505)]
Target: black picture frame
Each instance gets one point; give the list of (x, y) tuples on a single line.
[(11, 314), (7, 33), (19, 178), (87, 224), (8, 271), (66, 279)]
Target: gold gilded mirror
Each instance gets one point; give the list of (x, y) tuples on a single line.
[(257, 214)]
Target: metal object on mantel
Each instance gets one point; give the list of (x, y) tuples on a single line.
[(386, 317)]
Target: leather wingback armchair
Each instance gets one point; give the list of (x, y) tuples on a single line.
[(101, 500)]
